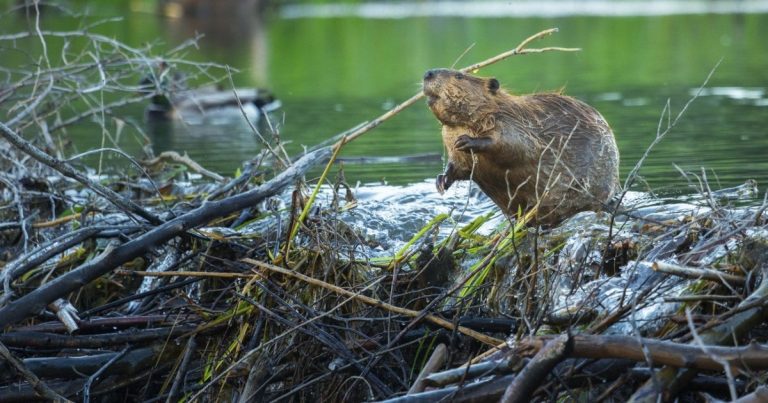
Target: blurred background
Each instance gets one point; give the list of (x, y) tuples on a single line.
[(334, 65)]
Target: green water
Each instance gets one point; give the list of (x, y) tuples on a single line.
[(334, 73)]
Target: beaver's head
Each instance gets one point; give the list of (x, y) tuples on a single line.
[(459, 99)]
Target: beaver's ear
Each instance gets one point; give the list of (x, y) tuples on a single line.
[(493, 85)]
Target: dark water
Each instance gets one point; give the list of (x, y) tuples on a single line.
[(334, 73)]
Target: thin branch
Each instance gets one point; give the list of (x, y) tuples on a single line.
[(697, 273), (40, 387)]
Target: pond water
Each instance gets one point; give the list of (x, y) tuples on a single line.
[(334, 70)]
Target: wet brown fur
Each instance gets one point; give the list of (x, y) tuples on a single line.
[(520, 150)]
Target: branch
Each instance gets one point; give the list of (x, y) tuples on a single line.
[(173, 156), (660, 352), (696, 273), (436, 360), (668, 381), (40, 387), (523, 386), (519, 50)]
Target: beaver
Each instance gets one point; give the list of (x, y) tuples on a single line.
[(546, 149)]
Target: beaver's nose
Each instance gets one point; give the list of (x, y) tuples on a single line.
[(430, 74)]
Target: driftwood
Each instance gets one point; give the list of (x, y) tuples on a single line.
[(24, 339), (478, 392), (71, 367), (485, 368), (109, 324)]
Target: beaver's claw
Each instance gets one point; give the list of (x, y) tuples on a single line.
[(443, 182), (468, 143)]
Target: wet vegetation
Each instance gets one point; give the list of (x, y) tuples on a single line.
[(166, 282)]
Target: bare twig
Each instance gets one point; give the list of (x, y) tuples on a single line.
[(97, 374), (173, 156)]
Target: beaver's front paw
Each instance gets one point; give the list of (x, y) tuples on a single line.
[(468, 143), (443, 182)]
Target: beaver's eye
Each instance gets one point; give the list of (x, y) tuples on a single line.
[(459, 76)]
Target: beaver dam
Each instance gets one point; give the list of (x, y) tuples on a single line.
[(161, 281)]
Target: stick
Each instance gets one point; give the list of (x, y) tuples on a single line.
[(181, 372), (523, 386), (40, 387), (173, 156), (377, 303), (660, 352), (435, 361), (696, 273), (465, 374), (202, 274), (669, 380)]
